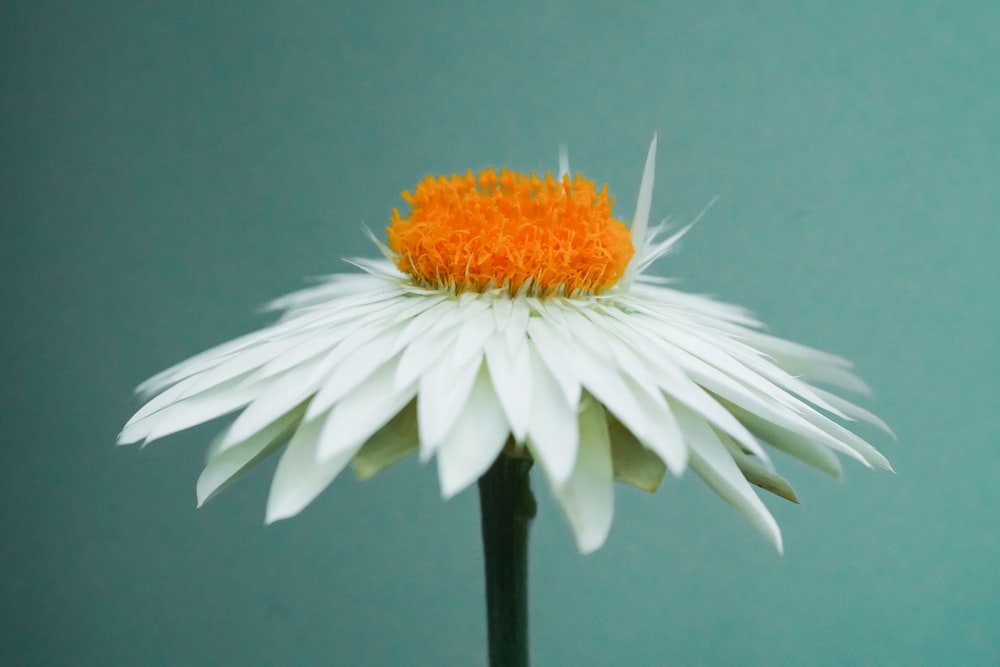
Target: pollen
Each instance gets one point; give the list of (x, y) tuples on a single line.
[(522, 233)]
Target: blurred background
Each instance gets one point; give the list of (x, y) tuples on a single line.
[(167, 167)]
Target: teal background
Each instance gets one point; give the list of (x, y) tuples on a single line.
[(169, 166)]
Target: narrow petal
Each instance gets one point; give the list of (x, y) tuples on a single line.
[(794, 444), (854, 411), (588, 498), (350, 291), (224, 466), (206, 406), (299, 477), (421, 324), (663, 435), (723, 355), (853, 443), (642, 207), (553, 351), (238, 365), (285, 392), (553, 434), (352, 371), (138, 426), (423, 353), (389, 445), (502, 310), (414, 306), (472, 336), (475, 440), (711, 462), (511, 376), (198, 363), (677, 385), (809, 363), (467, 306), (363, 412), (444, 390), (516, 326), (731, 383), (604, 380), (757, 473), (310, 349)]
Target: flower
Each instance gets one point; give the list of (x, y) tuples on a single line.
[(511, 317)]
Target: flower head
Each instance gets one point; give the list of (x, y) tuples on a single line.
[(511, 318), (524, 234)]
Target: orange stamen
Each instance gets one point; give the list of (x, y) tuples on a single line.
[(477, 232)]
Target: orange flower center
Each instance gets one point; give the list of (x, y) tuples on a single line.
[(511, 231)]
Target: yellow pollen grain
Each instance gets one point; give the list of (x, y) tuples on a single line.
[(474, 232)]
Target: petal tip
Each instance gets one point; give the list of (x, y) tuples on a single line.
[(588, 544), (450, 485)]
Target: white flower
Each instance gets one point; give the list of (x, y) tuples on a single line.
[(521, 326)]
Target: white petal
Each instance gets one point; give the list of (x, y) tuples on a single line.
[(371, 337), (220, 400), (642, 206), (352, 371), (421, 324), (553, 434), (588, 327), (225, 466), (663, 435), (343, 314), (637, 392), (239, 364), (588, 496), (138, 426), (809, 363), (502, 309), (557, 355), (759, 364), (389, 445), (511, 379), (843, 438), (475, 440), (299, 478), (757, 473), (472, 336), (711, 461), (654, 249), (349, 338), (854, 411), (802, 447), (411, 307), (516, 326), (286, 392), (198, 363), (663, 358), (709, 364), (444, 389), (603, 379), (798, 422), (349, 290), (467, 306), (363, 412), (422, 353), (670, 305), (310, 348)]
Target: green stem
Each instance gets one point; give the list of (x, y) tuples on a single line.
[(507, 508)]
